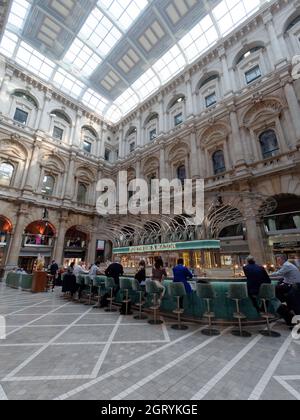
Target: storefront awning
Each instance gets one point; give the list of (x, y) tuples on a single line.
[(175, 246)]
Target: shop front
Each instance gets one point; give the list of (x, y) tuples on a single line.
[(38, 241), (197, 255), (76, 245), (286, 244)]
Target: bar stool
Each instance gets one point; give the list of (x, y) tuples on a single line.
[(80, 283), (50, 282), (207, 293), (177, 291), (239, 292), (267, 293), (98, 282), (110, 285), (137, 288), (125, 286), (88, 281), (153, 291)]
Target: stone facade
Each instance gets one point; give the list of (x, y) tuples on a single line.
[(212, 119)]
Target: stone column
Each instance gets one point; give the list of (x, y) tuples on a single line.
[(16, 239), (226, 76), (162, 164), (34, 168), (76, 136), (60, 240), (294, 108), (161, 128), (236, 139), (189, 97), (194, 159), (276, 48), (70, 178), (121, 149), (139, 134), (254, 233), (91, 254), (102, 147), (43, 123), (4, 90)]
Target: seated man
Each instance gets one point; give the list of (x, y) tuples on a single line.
[(182, 274), (288, 290), (256, 276)]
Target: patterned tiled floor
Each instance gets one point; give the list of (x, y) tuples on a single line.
[(59, 350)]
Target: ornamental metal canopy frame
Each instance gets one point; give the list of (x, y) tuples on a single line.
[(223, 209)]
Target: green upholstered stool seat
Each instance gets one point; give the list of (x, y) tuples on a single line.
[(207, 293), (88, 281), (98, 282), (237, 293), (266, 294), (137, 288), (177, 291), (154, 291), (110, 285)]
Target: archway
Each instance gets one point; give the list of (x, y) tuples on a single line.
[(76, 245)]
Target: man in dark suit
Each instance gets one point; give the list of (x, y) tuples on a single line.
[(115, 270), (256, 276)]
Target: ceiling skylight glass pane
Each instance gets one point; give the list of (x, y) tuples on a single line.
[(113, 114), (127, 101), (68, 83), (199, 39), (34, 61), (124, 11), (94, 101), (82, 57), (146, 84), (18, 13), (8, 44), (230, 13), (170, 64), (100, 32)]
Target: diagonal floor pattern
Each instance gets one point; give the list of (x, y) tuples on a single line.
[(59, 350)]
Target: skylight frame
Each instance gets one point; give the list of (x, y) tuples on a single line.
[(227, 14), (94, 101), (204, 33), (100, 33), (127, 101), (11, 40), (18, 14), (75, 54), (68, 84), (173, 58), (146, 84), (124, 12), (34, 61)]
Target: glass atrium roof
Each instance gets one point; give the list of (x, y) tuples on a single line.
[(111, 55)]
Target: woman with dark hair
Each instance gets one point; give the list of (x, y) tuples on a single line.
[(141, 274), (158, 275)]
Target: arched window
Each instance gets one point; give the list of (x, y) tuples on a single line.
[(269, 144), (219, 162), (81, 193), (6, 173), (248, 53), (293, 23), (181, 173), (48, 185), (24, 95), (61, 115)]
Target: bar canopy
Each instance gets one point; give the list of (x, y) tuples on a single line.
[(175, 246)]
